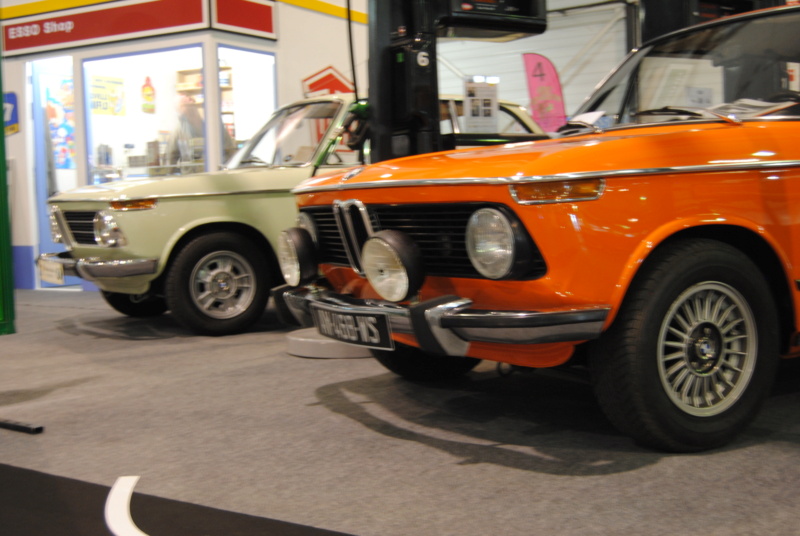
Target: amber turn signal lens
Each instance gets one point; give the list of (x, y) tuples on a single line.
[(134, 204), (558, 191)]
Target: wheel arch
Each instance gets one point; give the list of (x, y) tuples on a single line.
[(756, 246), (248, 231)]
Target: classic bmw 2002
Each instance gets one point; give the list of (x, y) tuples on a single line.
[(202, 245), (653, 243)]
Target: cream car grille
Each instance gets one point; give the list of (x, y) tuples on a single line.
[(81, 226)]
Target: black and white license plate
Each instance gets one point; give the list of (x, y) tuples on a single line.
[(363, 329)]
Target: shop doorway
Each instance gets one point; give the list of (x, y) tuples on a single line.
[(53, 114)]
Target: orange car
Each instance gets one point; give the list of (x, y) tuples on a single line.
[(654, 241)]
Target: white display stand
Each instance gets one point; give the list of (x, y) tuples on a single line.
[(308, 342)]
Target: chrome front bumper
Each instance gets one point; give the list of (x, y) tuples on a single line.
[(91, 269), (447, 325)]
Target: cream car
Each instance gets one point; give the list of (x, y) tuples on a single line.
[(202, 246)]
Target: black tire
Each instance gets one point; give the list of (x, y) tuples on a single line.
[(136, 305), (693, 351), (414, 364), (218, 284)]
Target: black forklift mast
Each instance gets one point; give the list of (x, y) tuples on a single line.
[(403, 82)]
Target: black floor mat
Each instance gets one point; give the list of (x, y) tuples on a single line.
[(35, 504)]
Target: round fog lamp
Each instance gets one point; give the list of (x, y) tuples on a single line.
[(393, 265), (490, 243), (297, 256)]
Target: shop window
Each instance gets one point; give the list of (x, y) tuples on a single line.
[(247, 94), (145, 114)]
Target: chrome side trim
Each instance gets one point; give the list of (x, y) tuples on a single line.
[(529, 327), (109, 199), (510, 181)]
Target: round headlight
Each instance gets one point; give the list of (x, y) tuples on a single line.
[(106, 230), (297, 256), (393, 265), (305, 221), (490, 243)]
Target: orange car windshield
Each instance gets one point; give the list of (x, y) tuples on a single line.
[(735, 70)]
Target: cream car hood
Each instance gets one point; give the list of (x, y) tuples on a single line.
[(244, 180)]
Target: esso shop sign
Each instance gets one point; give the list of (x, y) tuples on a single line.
[(32, 30)]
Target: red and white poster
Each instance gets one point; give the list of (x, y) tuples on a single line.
[(326, 82), (544, 89)]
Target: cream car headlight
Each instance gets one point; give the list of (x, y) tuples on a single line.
[(107, 232), (297, 256), (393, 265), (55, 229), (491, 243)]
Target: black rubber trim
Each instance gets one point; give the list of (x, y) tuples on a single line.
[(422, 331), (285, 315)]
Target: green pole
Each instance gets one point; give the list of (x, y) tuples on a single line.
[(6, 265)]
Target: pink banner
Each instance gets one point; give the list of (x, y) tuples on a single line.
[(544, 89)]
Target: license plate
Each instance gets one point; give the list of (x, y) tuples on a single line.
[(370, 330), (51, 272)]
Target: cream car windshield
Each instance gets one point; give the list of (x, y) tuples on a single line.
[(290, 138), (734, 71)]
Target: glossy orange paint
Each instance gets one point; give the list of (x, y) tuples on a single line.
[(659, 181)]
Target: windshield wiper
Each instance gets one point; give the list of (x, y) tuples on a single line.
[(694, 112), (573, 127), (253, 160)]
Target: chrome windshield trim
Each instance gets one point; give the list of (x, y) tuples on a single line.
[(511, 181)]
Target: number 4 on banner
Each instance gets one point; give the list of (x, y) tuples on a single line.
[(544, 89)]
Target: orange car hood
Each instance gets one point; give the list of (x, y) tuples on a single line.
[(654, 147)]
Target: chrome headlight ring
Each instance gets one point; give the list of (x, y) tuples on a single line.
[(497, 244)]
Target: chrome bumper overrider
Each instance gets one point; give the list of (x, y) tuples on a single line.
[(91, 269), (447, 325)]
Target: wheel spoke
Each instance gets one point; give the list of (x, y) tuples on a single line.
[(730, 325), (243, 280), (679, 366), (733, 338), (718, 305), (689, 313), (671, 357), (680, 335), (730, 366), (721, 320), (683, 322), (699, 308), (205, 300)]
